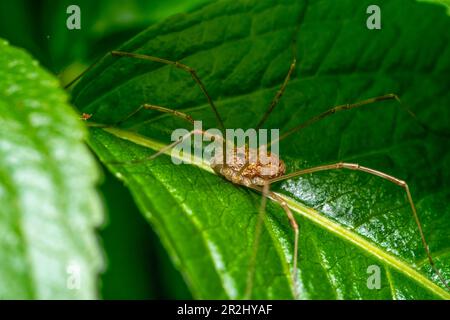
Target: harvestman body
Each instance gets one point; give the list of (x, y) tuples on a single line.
[(250, 174)]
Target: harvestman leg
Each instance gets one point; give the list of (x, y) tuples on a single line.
[(265, 190), (185, 68), (163, 150), (180, 66), (295, 227), (176, 64), (398, 182), (175, 113), (262, 209), (280, 92), (274, 102), (147, 106), (278, 95), (349, 106)]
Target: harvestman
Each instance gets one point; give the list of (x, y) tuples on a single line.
[(250, 175)]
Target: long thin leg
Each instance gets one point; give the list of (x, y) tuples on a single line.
[(146, 106), (265, 190), (258, 229), (294, 226), (274, 102), (401, 183), (336, 109), (278, 95), (180, 66), (168, 147), (161, 151), (280, 92), (155, 59), (175, 113)]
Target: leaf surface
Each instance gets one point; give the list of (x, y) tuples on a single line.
[(348, 221)]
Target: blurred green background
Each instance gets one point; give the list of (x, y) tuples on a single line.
[(137, 267)]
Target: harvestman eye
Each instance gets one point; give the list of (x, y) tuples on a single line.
[(250, 175)]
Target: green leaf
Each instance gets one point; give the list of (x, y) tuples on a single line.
[(348, 221), (48, 248)]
